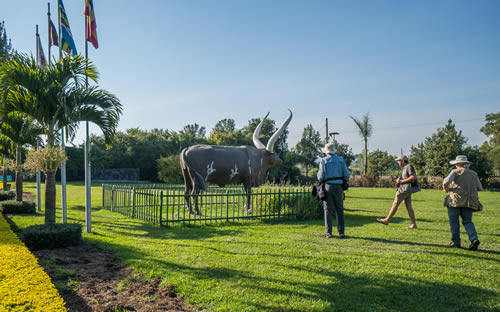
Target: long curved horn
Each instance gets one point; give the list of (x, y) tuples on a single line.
[(276, 135), (256, 141)]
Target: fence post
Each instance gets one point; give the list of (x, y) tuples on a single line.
[(161, 206), (112, 197), (133, 202), (103, 190), (227, 206), (279, 203)]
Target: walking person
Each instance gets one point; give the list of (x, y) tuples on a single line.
[(333, 169), (462, 185), (407, 185)]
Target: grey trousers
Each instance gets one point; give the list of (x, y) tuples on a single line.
[(334, 202), (466, 214)]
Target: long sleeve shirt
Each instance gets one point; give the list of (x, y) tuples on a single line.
[(333, 166)]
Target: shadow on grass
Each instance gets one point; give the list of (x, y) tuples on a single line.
[(391, 199), (333, 289), (82, 208), (355, 220), (444, 247)]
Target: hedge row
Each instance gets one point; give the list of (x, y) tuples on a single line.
[(24, 285), (7, 195), (15, 207), (52, 236)]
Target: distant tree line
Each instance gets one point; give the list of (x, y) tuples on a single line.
[(156, 152)]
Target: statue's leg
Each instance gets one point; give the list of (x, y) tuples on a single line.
[(248, 190), (188, 192), (196, 192)]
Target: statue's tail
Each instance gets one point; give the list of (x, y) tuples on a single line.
[(185, 166)]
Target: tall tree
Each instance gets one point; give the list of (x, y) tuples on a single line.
[(5, 43), (192, 134), (437, 150), (309, 148), (23, 132), (365, 131), (380, 163), (344, 151), (491, 148), (6, 154), (225, 133), (56, 97), (491, 128)]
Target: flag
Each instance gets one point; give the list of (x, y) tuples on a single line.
[(67, 43), (40, 56), (53, 39), (90, 31)]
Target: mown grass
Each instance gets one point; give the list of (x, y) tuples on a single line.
[(289, 266)]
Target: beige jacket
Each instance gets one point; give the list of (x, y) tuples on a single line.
[(462, 185)]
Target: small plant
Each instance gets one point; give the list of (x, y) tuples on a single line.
[(123, 284), (63, 273), (74, 285), (61, 287)]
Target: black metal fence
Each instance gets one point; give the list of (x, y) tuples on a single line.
[(165, 204)]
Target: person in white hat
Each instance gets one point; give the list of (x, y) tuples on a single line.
[(333, 169), (462, 185), (407, 185)]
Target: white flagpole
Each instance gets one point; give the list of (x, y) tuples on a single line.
[(88, 206), (38, 194)]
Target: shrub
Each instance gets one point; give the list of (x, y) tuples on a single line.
[(368, 180), (307, 207), (12, 206), (272, 200), (7, 195), (25, 286), (52, 236)]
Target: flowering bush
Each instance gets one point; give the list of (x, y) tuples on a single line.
[(24, 285)]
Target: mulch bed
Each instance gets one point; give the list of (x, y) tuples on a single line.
[(91, 279), (95, 281)]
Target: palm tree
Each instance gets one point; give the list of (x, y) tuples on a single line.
[(21, 131), (5, 154), (365, 131), (56, 97)]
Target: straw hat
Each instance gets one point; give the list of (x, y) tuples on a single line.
[(329, 149), (402, 157), (461, 159)]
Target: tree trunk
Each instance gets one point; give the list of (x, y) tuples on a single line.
[(4, 176), (365, 169), (50, 197), (19, 176)]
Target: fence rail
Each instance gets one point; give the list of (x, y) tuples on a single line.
[(165, 204)]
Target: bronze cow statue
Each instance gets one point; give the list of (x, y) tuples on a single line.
[(213, 164)]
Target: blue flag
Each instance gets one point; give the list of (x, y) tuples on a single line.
[(67, 43)]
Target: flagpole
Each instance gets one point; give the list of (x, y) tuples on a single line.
[(38, 195), (63, 166), (88, 205), (48, 27)]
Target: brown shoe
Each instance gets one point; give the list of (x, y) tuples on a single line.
[(453, 245)]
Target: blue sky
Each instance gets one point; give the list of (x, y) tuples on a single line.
[(411, 64)]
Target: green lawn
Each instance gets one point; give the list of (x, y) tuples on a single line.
[(289, 266)]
